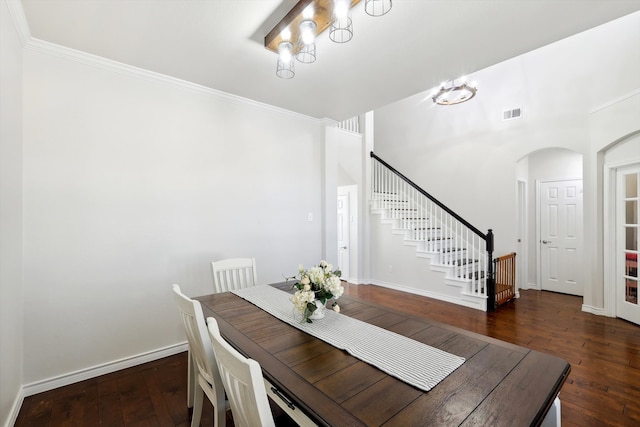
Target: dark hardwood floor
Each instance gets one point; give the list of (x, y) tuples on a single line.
[(603, 388)]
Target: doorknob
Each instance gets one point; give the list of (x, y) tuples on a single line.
[(546, 241), (343, 247)]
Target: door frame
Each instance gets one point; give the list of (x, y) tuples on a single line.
[(538, 227), (353, 249), (610, 236), (522, 221)]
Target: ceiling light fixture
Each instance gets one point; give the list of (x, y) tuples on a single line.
[(450, 93), (341, 30), (284, 67), (306, 20), (307, 44), (377, 7)]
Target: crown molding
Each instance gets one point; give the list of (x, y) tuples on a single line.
[(631, 94), (85, 58), (29, 42), (19, 20)]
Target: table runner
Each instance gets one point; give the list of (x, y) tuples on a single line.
[(413, 362)]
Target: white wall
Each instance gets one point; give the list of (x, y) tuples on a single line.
[(11, 301), (132, 184), (466, 155)]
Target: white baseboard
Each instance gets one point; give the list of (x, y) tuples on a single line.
[(595, 310), (15, 409), (105, 368), (446, 298)]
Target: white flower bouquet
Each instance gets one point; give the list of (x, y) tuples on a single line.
[(320, 283)]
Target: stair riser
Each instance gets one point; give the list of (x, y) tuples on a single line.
[(402, 214), (437, 246), (388, 207), (452, 257), (406, 224), (426, 234)]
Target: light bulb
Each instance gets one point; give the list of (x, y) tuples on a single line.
[(340, 9), (285, 34), (307, 13), (307, 31), (284, 66), (284, 50)]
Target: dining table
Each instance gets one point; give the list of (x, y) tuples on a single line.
[(497, 383)]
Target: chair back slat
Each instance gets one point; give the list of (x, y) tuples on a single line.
[(234, 273)]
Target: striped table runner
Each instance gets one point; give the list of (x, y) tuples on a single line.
[(410, 361)]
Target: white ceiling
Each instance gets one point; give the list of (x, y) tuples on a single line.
[(219, 43)]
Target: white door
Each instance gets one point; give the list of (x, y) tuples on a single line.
[(627, 219), (343, 234), (561, 236)]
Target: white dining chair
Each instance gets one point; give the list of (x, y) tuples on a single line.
[(242, 379), (234, 273), (204, 377)]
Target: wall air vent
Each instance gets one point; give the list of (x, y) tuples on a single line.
[(512, 114)]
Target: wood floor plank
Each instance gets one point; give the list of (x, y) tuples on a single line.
[(78, 407), (155, 390), (603, 388), (136, 403), (109, 408)]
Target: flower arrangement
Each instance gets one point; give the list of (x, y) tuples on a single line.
[(319, 283)]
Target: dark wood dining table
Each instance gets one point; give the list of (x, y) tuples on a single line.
[(499, 384)]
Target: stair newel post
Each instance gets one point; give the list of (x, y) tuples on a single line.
[(491, 279)]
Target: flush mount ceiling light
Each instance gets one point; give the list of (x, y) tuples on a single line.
[(451, 93), (306, 20)]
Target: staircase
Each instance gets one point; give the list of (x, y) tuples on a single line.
[(450, 243)]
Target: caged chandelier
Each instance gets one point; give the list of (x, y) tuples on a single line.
[(295, 35)]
